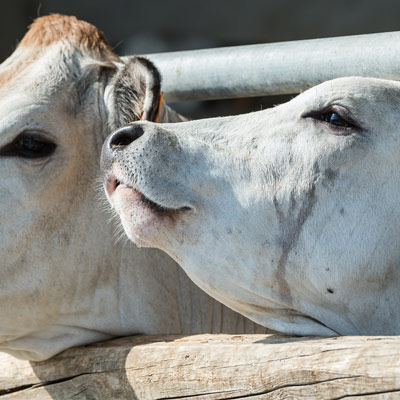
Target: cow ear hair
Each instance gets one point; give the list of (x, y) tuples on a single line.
[(135, 91)]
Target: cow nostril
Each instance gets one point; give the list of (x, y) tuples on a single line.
[(125, 136)]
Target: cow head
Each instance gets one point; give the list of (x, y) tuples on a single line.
[(61, 92), (289, 215)]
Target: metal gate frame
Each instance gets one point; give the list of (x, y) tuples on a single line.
[(276, 68)]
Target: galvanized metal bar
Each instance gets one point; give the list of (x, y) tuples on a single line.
[(276, 68)]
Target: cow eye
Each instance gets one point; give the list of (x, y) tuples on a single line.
[(28, 145), (333, 118)]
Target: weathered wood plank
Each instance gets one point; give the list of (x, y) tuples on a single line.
[(212, 367)]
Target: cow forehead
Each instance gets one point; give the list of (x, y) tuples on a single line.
[(40, 96), (28, 84), (359, 91)]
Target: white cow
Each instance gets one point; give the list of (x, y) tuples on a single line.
[(63, 282), (290, 215)]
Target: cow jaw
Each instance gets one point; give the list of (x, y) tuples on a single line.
[(142, 218)]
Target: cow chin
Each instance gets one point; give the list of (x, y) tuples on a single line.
[(138, 219)]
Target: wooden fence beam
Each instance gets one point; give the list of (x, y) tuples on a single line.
[(211, 367)]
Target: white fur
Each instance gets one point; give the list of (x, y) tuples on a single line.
[(63, 279), (294, 223)]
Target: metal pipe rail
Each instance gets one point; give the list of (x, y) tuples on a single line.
[(276, 68)]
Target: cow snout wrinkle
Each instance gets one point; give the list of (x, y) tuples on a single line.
[(125, 136)]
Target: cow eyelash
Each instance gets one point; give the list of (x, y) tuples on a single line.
[(29, 145)]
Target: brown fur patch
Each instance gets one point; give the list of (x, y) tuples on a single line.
[(53, 28)]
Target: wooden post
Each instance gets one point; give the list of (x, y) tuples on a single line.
[(211, 367)]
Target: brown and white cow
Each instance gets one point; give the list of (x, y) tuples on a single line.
[(63, 280)]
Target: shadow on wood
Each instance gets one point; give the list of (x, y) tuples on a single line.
[(211, 367)]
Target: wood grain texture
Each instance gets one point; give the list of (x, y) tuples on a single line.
[(212, 367)]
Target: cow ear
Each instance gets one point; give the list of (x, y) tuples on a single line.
[(135, 92)]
